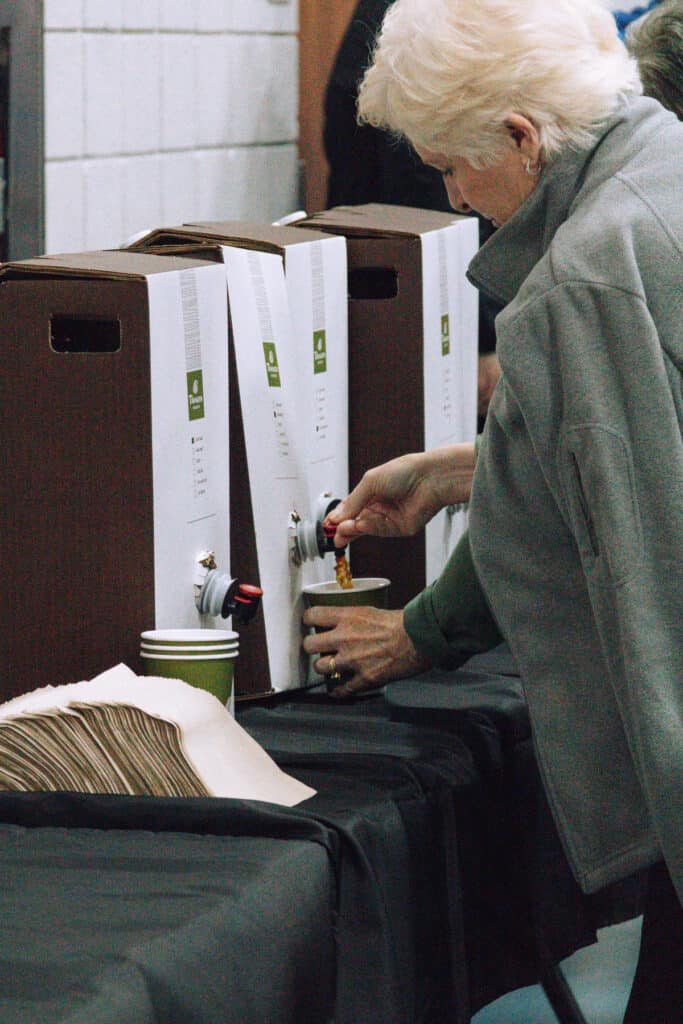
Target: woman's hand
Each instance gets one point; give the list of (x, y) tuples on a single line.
[(369, 646), (398, 498)]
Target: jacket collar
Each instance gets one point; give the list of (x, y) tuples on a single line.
[(509, 255)]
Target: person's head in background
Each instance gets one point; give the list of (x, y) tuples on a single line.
[(656, 42)]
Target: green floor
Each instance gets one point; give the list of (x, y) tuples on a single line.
[(600, 977)]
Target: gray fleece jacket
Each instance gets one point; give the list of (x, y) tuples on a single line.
[(576, 524)]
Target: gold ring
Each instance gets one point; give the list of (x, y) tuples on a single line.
[(333, 674)]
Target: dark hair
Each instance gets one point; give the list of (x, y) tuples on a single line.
[(656, 42)]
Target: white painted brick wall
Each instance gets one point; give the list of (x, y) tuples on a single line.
[(164, 111)]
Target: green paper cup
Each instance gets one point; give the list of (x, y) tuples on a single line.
[(371, 590), (211, 672)]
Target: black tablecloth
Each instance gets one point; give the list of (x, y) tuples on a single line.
[(384, 826), (137, 927), (424, 879), (510, 894), (388, 790)]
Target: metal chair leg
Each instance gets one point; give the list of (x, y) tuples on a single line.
[(560, 995)]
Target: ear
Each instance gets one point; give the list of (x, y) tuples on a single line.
[(523, 134)]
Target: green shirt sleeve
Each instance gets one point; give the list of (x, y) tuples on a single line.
[(450, 620)]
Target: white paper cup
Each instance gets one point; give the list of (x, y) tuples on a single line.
[(189, 637), (190, 649)]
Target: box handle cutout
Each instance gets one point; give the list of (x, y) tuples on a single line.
[(373, 283), (84, 334)]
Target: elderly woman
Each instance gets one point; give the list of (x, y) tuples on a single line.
[(533, 114)]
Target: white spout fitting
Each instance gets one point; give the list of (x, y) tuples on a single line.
[(307, 538), (217, 587)]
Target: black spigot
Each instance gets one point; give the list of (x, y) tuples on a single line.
[(326, 541), (242, 602)]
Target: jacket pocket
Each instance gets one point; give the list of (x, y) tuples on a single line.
[(597, 474)]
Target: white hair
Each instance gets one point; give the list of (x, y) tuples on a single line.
[(446, 74)]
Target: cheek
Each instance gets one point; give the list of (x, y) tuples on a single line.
[(471, 186)]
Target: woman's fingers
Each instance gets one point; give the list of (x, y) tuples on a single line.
[(353, 504), (373, 518), (327, 665), (323, 618), (399, 497), (369, 644), (350, 687), (369, 506), (347, 531)]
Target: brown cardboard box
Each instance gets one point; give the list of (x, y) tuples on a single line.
[(387, 357), (83, 554), (317, 298)]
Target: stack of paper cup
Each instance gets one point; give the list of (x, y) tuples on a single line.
[(201, 657)]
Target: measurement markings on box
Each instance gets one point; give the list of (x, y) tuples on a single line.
[(196, 407), (321, 418), (446, 363), (267, 332)]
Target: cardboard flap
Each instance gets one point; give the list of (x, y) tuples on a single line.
[(279, 236), (115, 263), (200, 250), (379, 219), (244, 234)]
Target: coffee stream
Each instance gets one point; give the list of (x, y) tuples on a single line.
[(342, 571)]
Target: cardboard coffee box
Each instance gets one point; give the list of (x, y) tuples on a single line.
[(289, 416), (413, 325), (114, 475)]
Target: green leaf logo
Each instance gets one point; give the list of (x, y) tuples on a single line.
[(195, 395), (319, 352), (445, 336), (272, 368)]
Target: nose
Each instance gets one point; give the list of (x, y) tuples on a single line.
[(455, 196)]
